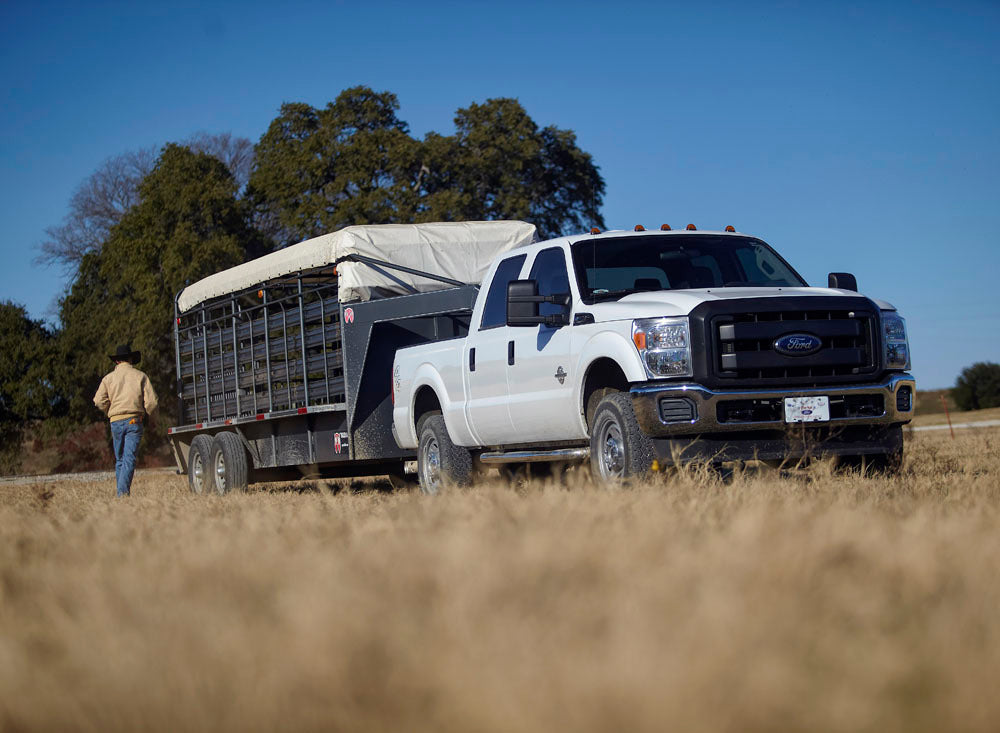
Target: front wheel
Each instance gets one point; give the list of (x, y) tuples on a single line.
[(440, 462), (619, 450)]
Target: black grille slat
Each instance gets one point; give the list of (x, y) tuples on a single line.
[(742, 337)]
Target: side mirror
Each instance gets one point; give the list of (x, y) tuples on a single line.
[(522, 305), (842, 280)]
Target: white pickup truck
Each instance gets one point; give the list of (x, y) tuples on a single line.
[(635, 347)]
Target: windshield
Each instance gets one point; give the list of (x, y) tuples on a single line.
[(608, 269)]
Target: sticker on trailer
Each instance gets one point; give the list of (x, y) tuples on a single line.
[(807, 409), (339, 442), (348, 315)]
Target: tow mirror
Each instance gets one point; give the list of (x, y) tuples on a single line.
[(522, 305), (842, 281)]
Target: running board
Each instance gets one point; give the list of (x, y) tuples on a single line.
[(535, 456)]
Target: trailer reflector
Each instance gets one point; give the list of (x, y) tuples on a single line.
[(302, 410), (259, 417), (199, 426)]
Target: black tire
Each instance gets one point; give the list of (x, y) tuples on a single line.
[(199, 462), (619, 450), (230, 468), (440, 463)]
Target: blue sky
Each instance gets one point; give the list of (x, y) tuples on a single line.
[(859, 137)]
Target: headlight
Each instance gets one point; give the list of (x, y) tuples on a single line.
[(664, 346), (896, 346)]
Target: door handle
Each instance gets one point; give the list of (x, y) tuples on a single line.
[(510, 353), (472, 359)]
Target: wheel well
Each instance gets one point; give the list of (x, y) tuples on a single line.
[(425, 403), (604, 376)]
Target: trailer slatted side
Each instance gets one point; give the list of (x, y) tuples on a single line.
[(276, 346)]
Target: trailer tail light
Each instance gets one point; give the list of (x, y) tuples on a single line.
[(640, 228), (664, 227), (692, 228)]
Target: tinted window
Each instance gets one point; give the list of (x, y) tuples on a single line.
[(549, 269), (495, 310), (607, 269)]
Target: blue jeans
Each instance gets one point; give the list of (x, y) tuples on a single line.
[(125, 438)]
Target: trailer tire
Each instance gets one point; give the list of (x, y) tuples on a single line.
[(619, 450), (199, 462), (230, 468), (440, 463)]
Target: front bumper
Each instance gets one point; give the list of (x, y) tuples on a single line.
[(733, 411)]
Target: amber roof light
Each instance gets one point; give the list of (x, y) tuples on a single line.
[(692, 228), (639, 228), (595, 230), (730, 228), (664, 227)]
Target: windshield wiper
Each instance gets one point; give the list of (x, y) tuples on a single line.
[(599, 295)]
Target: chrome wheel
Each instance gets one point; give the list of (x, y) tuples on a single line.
[(220, 472), (197, 473), (612, 457), (430, 466)]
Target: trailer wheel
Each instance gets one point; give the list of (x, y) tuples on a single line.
[(199, 460), (440, 463), (230, 468), (619, 450)]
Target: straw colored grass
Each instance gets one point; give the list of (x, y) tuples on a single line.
[(801, 602)]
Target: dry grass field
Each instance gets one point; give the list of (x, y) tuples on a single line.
[(800, 602)]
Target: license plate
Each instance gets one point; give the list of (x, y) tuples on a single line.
[(807, 409)]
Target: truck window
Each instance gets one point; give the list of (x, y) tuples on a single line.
[(549, 269), (608, 269), (495, 310)]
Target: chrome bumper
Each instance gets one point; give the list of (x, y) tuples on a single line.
[(646, 404)]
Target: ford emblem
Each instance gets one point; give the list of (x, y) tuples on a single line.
[(798, 344)]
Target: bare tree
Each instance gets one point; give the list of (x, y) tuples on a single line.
[(236, 153), (101, 200), (97, 204)]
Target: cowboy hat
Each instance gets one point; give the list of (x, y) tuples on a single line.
[(124, 353)]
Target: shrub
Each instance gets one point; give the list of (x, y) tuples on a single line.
[(978, 386)]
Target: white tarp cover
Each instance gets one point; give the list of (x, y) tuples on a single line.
[(458, 250)]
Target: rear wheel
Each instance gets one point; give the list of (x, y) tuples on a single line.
[(199, 460), (619, 450), (230, 467), (440, 463)]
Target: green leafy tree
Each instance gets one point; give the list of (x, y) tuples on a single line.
[(978, 386), (26, 388), (187, 224), (500, 165), (352, 162)]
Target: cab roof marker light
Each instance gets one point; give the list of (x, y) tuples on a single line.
[(692, 228), (639, 228), (730, 228), (595, 230), (664, 227)]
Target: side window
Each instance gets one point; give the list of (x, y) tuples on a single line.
[(549, 269), (495, 310)]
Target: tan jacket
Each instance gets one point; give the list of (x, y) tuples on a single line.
[(125, 392)]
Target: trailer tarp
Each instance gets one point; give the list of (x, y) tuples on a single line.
[(461, 251)]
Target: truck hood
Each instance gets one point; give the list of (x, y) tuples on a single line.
[(681, 302)]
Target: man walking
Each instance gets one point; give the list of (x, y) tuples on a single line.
[(126, 397)]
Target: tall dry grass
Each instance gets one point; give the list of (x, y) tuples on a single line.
[(803, 602)]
